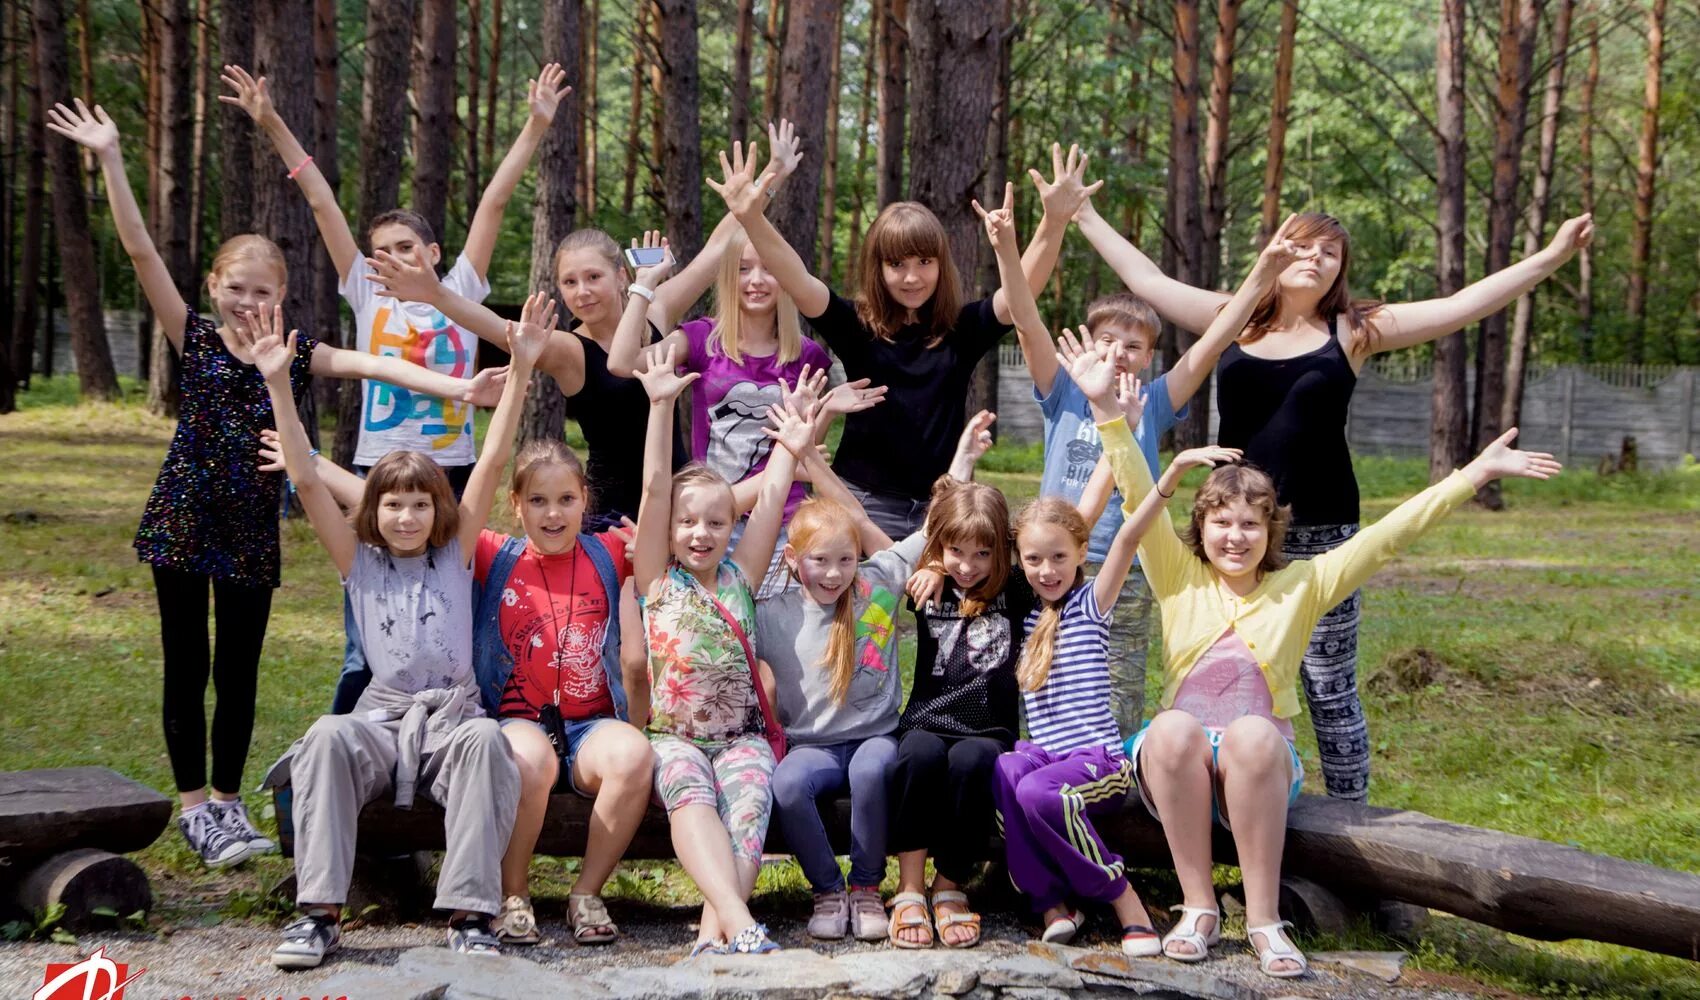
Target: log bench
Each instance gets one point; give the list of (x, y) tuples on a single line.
[(62, 834), (1531, 887)]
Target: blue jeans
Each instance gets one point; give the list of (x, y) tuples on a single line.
[(810, 772), (897, 516)]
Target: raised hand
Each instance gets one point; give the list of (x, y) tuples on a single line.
[(545, 94), (805, 396), (530, 336), (1209, 456), (976, 438), (1130, 398), (92, 129), (743, 192), (661, 379), (251, 94), (1501, 461), (263, 336), (1068, 191), (1000, 222), (1096, 376), (791, 428), (1278, 253), (651, 277), (1572, 235), (485, 387), (784, 150), (852, 397), (402, 280)]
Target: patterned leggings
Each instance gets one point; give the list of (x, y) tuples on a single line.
[(1331, 674), (736, 778)]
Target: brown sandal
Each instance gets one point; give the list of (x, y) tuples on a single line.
[(966, 918), (909, 910)]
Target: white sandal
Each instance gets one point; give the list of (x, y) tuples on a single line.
[(1063, 929), (1185, 931), (1277, 946)]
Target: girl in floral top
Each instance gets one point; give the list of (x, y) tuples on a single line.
[(707, 718)]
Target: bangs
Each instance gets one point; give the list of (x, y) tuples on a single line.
[(1319, 226), (906, 229)]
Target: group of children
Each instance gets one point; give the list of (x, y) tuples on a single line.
[(714, 623)]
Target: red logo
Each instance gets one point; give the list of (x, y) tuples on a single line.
[(94, 978)]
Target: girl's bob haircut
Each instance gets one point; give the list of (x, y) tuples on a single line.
[(906, 229), (1240, 482), (405, 472)]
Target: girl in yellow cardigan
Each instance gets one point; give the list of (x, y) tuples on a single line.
[(1236, 620)]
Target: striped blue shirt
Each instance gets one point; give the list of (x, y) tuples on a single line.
[(1072, 709)]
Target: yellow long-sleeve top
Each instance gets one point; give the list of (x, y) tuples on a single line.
[(1276, 620)]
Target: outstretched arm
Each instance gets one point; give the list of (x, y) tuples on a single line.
[(543, 95), (273, 353), (97, 132), (253, 97), (1403, 324), (528, 339), (1022, 308), (345, 486), (482, 389), (1062, 198), (761, 533), (1176, 301), (746, 198), (662, 382)]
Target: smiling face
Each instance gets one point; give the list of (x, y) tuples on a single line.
[(551, 509), (242, 287), (405, 518), (758, 292), (1050, 557), (400, 240), (967, 561), (911, 281), (1235, 537), (827, 567), (591, 286), (702, 525)]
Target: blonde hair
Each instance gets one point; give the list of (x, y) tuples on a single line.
[(1253, 485), (816, 522), (699, 474), (1040, 648), (906, 229), (1335, 302), (540, 453), (405, 472), (970, 514), (729, 313), (249, 246)]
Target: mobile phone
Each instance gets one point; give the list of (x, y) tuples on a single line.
[(645, 256)]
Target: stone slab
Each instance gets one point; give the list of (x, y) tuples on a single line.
[(1386, 966), (49, 810)]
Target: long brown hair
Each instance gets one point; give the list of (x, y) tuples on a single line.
[(1040, 648), (816, 522), (404, 472), (906, 229), (1335, 302), (971, 515), (1240, 482)]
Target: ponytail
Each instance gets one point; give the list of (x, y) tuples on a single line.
[(1041, 646), (839, 659)]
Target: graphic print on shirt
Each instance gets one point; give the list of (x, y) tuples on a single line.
[(437, 347), (407, 647), (736, 444), (557, 647), (876, 627), (1082, 454), (975, 645)]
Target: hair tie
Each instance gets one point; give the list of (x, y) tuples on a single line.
[(300, 167)]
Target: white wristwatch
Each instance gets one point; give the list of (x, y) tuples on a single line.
[(637, 289)]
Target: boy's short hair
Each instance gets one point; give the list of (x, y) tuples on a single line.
[(1127, 309), (410, 219)]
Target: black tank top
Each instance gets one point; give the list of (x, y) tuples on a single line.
[(613, 414), (1289, 417)]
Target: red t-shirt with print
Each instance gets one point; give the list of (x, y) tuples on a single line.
[(554, 616)]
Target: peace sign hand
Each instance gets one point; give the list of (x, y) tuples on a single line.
[(1000, 222)]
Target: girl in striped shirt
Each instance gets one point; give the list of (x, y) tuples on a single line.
[(1047, 790)]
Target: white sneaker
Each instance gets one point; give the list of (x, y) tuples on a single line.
[(307, 941), (233, 816), (208, 838)]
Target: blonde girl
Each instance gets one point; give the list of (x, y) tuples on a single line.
[(212, 515)]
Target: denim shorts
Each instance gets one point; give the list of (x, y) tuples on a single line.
[(1214, 734), (578, 730)]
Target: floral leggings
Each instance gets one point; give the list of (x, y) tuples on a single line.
[(735, 778)]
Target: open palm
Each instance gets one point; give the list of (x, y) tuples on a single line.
[(661, 379), (546, 93), (84, 127)]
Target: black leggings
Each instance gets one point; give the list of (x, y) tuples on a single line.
[(241, 614), (941, 799)]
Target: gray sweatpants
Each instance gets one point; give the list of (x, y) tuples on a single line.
[(346, 761)]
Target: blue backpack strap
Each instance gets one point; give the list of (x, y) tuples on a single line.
[(492, 663), (604, 563)]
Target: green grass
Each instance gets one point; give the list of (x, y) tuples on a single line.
[(1535, 671)]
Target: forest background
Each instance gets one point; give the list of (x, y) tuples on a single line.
[(1450, 137)]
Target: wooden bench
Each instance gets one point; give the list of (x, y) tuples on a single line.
[(62, 831), (1530, 887)]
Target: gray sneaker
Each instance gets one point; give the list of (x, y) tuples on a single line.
[(208, 838), (233, 816), (307, 941)]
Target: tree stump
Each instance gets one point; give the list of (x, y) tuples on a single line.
[(85, 879)]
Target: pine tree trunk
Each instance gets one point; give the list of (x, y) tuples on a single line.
[(1585, 152), (153, 187), (283, 215), (198, 143), (12, 50), (893, 98), (997, 146), (778, 26), (491, 93), (864, 117), (1449, 403), (235, 129), (803, 86), (1279, 105), (383, 110), (26, 312), (433, 126), (85, 59), (1216, 143), (96, 378), (829, 150), (172, 195), (1185, 222), (474, 82), (743, 48), (588, 107), (327, 304), (555, 211), (954, 45), (1523, 318), (1646, 169), (634, 124), (681, 150)]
